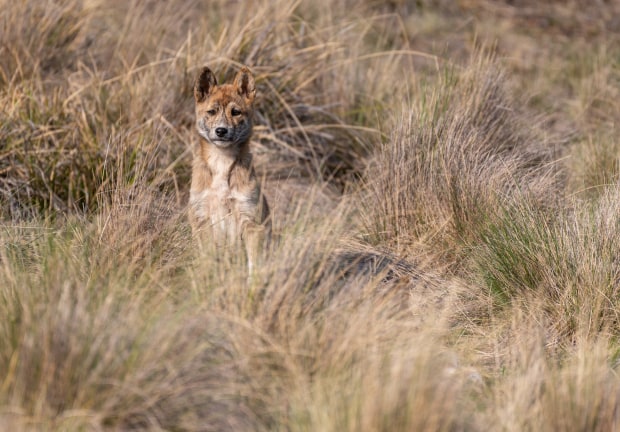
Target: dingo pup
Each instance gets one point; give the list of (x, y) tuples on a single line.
[(226, 204)]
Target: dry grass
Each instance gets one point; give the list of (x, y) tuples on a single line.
[(444, 180), (452, 157)]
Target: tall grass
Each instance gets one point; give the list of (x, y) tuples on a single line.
[(463, 148), (444, 194)]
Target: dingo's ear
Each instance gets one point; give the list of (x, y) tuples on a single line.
[(244, 83), (204, 84)]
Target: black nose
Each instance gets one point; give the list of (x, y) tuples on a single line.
[(221, 132)]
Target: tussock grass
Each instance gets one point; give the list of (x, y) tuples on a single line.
[(443, 180), (198, 344), (452, 157), (38, 38), (567, 261), (582, 390)]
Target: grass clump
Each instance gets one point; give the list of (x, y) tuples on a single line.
[(567, 261), (452, 158)]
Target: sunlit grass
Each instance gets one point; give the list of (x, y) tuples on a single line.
[(444, 187)]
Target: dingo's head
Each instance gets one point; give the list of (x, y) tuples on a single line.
[(224, 112)]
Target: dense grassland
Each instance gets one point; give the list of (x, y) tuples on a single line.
[(444, 179)]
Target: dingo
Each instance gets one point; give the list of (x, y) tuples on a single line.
[(226, 204)]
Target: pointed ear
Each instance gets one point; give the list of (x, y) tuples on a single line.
[(204, 84), (244, 83)]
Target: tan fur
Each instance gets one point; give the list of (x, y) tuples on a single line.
[(226, 204)]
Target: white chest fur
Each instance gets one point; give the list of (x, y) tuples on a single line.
[(215, 206)]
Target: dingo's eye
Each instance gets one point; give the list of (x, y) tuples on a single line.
[(211, 112), (235, 112)]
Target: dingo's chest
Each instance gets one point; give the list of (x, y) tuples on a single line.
[(222, 207), (214, 205)]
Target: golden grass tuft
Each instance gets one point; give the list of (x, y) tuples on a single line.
[(463, 149)]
